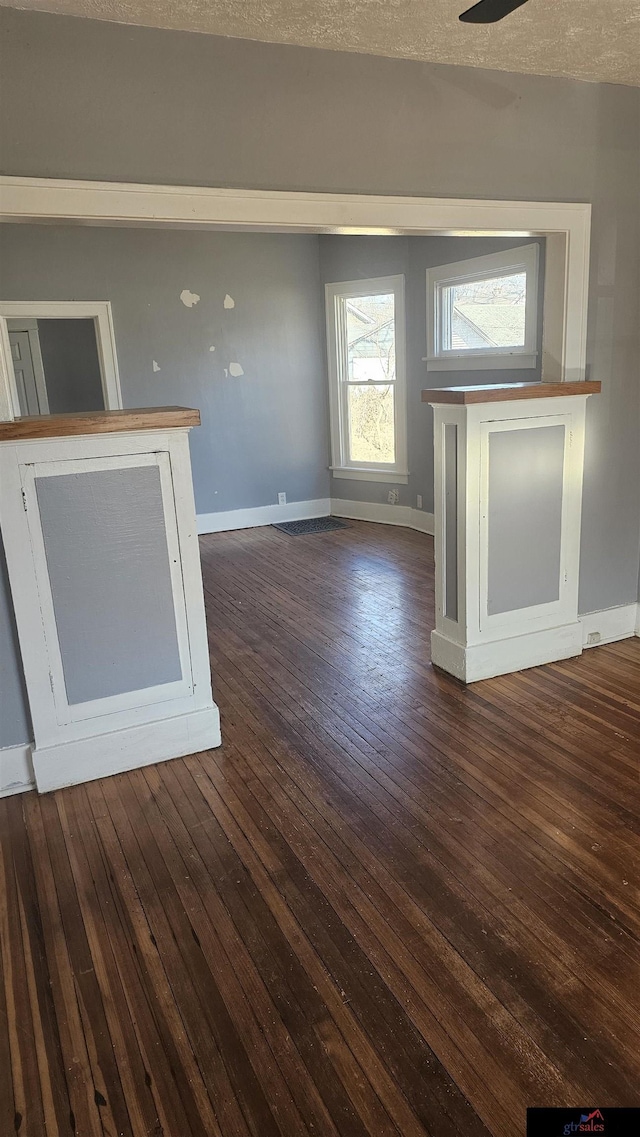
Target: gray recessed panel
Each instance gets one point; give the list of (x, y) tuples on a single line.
[(108, 562), (525, 516)]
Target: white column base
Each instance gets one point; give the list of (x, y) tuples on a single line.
[(85, 759), (485, 660)]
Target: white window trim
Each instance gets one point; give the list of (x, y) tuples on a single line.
[(341, 467), (477, 268), (97, 310)]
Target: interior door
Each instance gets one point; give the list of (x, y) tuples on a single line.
[(24, 373), (28, 367)]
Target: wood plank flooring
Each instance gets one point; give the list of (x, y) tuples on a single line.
[(388, 905)]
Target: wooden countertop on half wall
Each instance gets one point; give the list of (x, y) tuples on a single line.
[(98, 422), (505, 392)]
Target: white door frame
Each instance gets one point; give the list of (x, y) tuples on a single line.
[(566, 225), (97, 310)]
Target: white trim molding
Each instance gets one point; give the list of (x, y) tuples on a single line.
[(482, 661), (353, 474), (97, 310), (472, 662), (16, 770), (610, 625), (84, 759), (230, 519), (383, 514), (567, 226)]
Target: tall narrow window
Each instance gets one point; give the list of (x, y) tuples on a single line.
[(483, 313), (366, 357)]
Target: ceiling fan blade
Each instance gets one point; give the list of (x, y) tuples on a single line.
[(490, 11)]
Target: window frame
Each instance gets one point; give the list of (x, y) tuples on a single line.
[(504, 263), (336, 295)]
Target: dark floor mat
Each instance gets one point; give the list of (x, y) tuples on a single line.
[(311, 525)]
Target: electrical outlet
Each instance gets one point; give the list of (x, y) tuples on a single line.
[(282, 499), (419, 501), (392, 497), (593, 638)]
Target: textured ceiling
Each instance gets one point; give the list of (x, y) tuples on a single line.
[(597, 40)]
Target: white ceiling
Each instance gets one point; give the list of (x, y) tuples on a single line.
[(596, 40)]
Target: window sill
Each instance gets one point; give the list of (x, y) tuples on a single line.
[(358, 474), (481, 362)]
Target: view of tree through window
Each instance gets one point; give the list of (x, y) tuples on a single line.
[(371, 370), (483, 314)]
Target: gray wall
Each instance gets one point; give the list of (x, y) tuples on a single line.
[(262, 432), (85, 99), (71, 365), (355, 258)]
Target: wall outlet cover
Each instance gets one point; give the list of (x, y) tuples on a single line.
[(419, 501), (282, 499), (393, 497)]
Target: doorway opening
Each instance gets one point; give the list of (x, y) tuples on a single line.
[(59, 357)]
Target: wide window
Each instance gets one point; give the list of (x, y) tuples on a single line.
[(483, 313), (366, 357)]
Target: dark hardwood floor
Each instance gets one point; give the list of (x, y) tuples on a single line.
[(387, 905)]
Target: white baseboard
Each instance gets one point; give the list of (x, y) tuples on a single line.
[(500, 657), (298, 510), (88, 758), (610, 625), (384, 514), (262, 515), (422, 521), (16, 770), (483, 661)]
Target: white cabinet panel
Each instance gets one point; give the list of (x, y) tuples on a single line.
[(508, 500), (103, 558)]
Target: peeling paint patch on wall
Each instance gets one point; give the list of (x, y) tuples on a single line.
[(156, 365), (236, 369), (229, 302), (189, 298)]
